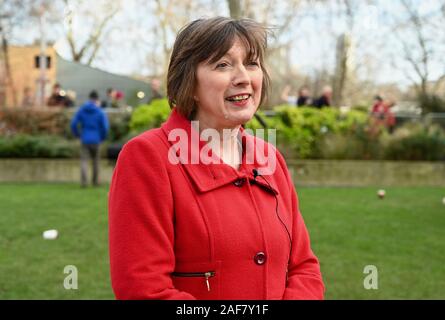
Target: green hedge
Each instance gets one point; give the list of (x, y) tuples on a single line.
[(20, 121), (301, 133), (410, 142), (149, 116), (119, 126), (327, 133), (28, 146), (415, 142), (34, 121), (299, 130)]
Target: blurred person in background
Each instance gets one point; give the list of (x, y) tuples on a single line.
[(304, 98), (108, 101), (118, 99), (381, 115), (90, 124), (70, 98), (325, 100), (58, 98), (390, 119)]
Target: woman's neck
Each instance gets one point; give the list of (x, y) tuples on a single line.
[(224, 143)]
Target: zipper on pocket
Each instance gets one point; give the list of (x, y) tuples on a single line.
[(206, 275)]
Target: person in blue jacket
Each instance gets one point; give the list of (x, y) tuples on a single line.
[(90, 124)]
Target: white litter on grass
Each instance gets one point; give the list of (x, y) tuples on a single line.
[(50, 234), (443, 200)]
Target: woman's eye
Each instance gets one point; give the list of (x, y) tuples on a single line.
[(254, 63), (222, 65)]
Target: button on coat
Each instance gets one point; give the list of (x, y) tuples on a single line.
[(260, 258)]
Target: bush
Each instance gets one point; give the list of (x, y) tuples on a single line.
[(149, 116), (357, 144), (416, 142), (119, 126), (409, 142), (33, 121), (55, 122), (302, 133), (431, 103), (299, 130), (27, 146)]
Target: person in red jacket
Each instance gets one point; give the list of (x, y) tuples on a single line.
[(200, 208), (381, 115)]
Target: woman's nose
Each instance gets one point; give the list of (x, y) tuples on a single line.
[(241, 76)]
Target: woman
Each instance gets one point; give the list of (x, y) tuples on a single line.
[(197, 218)]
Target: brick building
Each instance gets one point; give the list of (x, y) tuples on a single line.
[(24, 65)]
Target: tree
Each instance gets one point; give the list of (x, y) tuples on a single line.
[(166, 18), (6, 79), (343, 67), (98, 19), (419, 43), (280, 19), (12, 14), (235, 8), (17, 15)]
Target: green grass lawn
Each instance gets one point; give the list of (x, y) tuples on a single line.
[(402, 235)]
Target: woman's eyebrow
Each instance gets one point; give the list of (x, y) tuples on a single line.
[(230, 55), (246, 56), (213, 60)]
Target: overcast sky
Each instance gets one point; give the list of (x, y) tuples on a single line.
[(312, 41)]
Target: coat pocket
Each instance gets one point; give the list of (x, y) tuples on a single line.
[(202, 280)]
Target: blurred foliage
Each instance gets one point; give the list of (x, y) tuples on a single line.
[(149, 116), (301, 133), (431, 103), (411, 141), (119, 126), (17, 121), (299, 130), (40, 146), (309, 133), (415, 142), (357, 144), (33, 121)]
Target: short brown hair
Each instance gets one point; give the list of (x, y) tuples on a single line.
[(210, 39)]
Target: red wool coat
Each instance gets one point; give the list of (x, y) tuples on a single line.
[(205, 231)]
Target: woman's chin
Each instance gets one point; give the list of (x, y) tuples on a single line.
[(243, 118)]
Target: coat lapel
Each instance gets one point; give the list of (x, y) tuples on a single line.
[(207, 177)]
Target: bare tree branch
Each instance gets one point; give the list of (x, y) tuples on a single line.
[(93, 42)]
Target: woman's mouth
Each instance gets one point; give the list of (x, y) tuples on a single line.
[(239, 100)]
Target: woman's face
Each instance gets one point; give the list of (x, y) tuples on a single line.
[(228, 91)]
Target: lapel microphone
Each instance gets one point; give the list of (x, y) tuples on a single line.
[(255, 173)]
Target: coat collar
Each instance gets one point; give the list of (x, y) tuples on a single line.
[(207, 177)]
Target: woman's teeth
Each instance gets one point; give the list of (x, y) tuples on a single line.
[(238, 98)]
